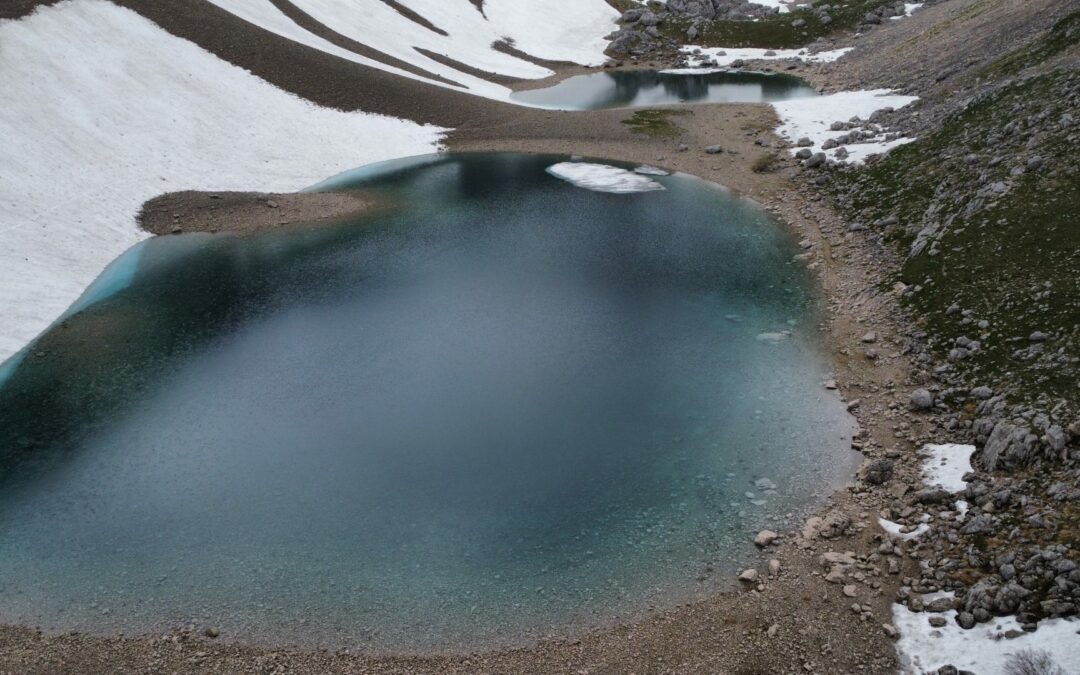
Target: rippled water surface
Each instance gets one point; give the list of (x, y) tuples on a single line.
[(503, 407)]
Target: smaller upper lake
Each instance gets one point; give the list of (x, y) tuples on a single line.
[(634, 88)]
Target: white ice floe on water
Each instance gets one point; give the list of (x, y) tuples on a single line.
[(714, 59), (812, 118), (104, 110), (946, 464), (646, 170), (603, 178), (895, 530), (557, 30), (772, 338), (984, 649)]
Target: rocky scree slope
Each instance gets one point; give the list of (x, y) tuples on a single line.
[(659, 28), (980, 215)]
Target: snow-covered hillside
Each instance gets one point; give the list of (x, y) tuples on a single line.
[(540, 28), (103, 110)]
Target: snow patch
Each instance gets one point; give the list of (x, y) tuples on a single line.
[(715, 59), (603, 178), (909, 8), (812, 117), (104, 110), (895, 530), (558, 30), (782, 5), (946, 465), (984, 649)]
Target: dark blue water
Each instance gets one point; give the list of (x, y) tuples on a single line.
[(502, 408), (634, 88)]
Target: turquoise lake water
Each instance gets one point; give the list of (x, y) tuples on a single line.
[(503, 408)]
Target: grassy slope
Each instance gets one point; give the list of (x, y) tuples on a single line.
[(1014, 260)]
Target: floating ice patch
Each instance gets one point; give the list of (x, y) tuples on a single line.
[(603, 178), (984, 649), (812, 118), (946, 465), (895, 530), (646, 170), (772, 338)]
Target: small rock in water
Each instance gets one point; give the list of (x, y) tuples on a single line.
[(774, 568), (212, 632), (764, 484), (749, 576)]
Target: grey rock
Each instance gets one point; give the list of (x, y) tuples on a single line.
[(922, 399), (933, 496), (804, 153), (877, 472), (648, 19), (816, 160), (714, 149), (978, 525)]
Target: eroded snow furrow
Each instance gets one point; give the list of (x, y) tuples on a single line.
[(104, 110)]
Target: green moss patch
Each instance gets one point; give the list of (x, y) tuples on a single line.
[(656, 123)]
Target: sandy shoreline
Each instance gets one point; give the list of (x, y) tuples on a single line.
[(245, 212)]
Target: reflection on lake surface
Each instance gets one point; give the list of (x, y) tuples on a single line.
[(615, 89)]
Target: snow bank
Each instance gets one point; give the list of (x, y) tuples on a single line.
[(984, 649), (812, 117), (603, 178), (895, 529), (946, 465), (562, 30), (697, 57), (104, 110), (909, 7), (782, 5)]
